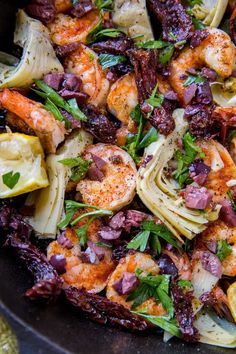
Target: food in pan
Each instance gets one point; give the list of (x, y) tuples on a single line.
[(118, 152)]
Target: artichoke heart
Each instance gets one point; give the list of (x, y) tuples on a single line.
[(132, 17), (49, 201), (210, 12), (224, 93), (159, 193), (38, 56)]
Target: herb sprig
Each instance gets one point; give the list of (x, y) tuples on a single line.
[(71, 208), (109, 60), (223, 250), (191, 151), (54, 100), (152, 232), (10, 179), (79, 167)]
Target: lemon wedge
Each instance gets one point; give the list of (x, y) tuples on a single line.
[(22, 166), (231, 294)]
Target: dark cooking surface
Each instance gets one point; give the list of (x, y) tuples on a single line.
[(59, 323)]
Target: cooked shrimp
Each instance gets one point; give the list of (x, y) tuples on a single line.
[(181, 262), (220, 231), (117, 189), (130, 264), (63, 5), (65, 29), (223, 168), (50, 132), (123, 97), (221, 305), (216, 51), (92, 277), (84, 63)]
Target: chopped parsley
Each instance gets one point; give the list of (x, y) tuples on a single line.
[(152, 232), (223, 249), (79, 167), (184, 158), (230, 195), (152, 44), (166, 54), (104, 4), (156, 286), (155, 100), (10, 179), (71, 208), (194, 79), (109, 60), (195, 2)]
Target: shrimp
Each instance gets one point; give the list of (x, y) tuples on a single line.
[(223, 168), (181, 262), (84, 63), (66, 30), (216, 51), (129, 264), (63, 5), (92, 277), (219, 231), (221, 305), (50, 132), (117, 189), (123, 97)]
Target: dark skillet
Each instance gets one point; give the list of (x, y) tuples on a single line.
[(58, 328)]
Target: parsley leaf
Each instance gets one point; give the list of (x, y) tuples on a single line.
[(108, 32), (185, 283), (153, 44), (54, 98), (82, 232), (133, 139), (223, 249), (166, 54), (79, 167), (169, 325), (153, 231), (109, 60), (10, 179), (148, 138), (139, 241), (104, 4), (191, 151), (195, 2), (156, 286), (102, 244), (230, 195), (196, 79)]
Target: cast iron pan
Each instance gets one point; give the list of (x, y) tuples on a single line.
[(58, 328)]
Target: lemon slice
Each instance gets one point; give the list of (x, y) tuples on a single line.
[(231, 294), (22, 166)]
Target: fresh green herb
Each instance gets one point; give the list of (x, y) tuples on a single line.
[(79, 167), (102, 244), (149, 138), (166, 54), (156, 286), (137, 36), (133, 139), (185, 283), (91, 36), (232, 134), (195, 2), (71, 208), (172, 36), (231, 197), (169, 325), (51, 107), (223, 249), (180, 43), (153, 231), (139, 241), (109, 60), (10, 179), (198, 25), (108, 32), (53, 97), (193, 79), (97, 213), (191, 151), (153, 44), (104, 4), (82, 232), (155, 100)]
